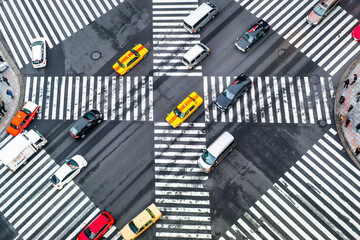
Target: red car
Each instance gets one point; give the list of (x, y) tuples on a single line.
[(356, 33), (97, 228), (22, 118)]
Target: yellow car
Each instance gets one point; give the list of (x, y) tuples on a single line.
[(130, 59), (184, 109), (141, 222)]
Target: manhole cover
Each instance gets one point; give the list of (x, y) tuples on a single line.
[(95, 55), (282, 53), (314, 79), (322, 123), (208, 185), (217, 230)]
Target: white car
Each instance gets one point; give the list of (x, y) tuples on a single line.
[(38, 52), (68, 171)]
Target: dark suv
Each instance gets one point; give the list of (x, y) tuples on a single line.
[(254, 33), (229, 96), (85, 123)]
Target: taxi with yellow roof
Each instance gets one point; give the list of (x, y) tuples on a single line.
[(184, 109), (130, 59), (141, 222)]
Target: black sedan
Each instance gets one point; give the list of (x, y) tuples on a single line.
[(85, 123), (256, 31), (229, 96)]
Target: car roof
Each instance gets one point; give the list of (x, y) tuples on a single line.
[(19, 117), (200, 11), (62, 171), (98, 223), (128, 56), (188, 102), (220, 144), (194, 51), (80, 123)]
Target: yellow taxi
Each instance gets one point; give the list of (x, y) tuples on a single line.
[(184, 109), (141, 222), (130, 59)]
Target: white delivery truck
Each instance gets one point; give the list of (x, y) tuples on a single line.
[(21, 148)]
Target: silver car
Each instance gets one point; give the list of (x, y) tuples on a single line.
[(38, 52)]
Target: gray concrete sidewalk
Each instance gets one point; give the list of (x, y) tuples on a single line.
[(12, 105), (348, 135)]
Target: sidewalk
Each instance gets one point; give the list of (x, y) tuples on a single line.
[(348, 135), (12, 105)]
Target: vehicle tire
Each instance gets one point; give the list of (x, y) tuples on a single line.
[(144, 56), (198, 30), (82, 136), (128, 70), (99, 121), (208, 53), (264, 34), (247, 49)]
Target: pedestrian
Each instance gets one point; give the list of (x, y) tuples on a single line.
[(6, 80), (358, 97), (350, 108), (355, 78), (357, 128), (2, 107), (342, 100), (347, 122), (9, 92), (1, 59), (357, 151), (346, 83)]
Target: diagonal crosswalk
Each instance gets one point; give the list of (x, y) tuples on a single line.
[(329, 44), (171, 41), (68, 97), (179, 183), (21, 21), (272, 100), (36, 209), (318, 198)]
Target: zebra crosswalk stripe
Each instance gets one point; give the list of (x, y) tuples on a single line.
[(76, 95), (324, 196)]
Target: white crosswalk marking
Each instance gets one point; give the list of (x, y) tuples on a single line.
[(292, 103), (168, 24), (177, 174), (287, 18), (50, 94), (60, 19), (37, 210), (318, 197)]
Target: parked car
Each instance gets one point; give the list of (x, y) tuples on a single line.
[(229, 96), (130, 59), (68, 171), (97, 228), (3, 66), (23, 118), (320, 11), (82, 126), (184, 110), (141, 222), (38, 52), (252, 35), (356, 33)]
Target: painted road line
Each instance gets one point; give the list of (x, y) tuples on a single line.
[(261, 100)]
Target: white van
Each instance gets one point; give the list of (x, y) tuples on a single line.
[(198, 18), (217, 151), (195, 55)]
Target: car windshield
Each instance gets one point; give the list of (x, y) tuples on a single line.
[(135, 52), (228, 94), (120, 63), (38, 61), (248, 37), (133, 227), (14, 126), (178, 113), (37, 43), (27, 111), (72, 164), (319, 10), (208, 158), (74, 131), (150, 212), (89, 234), (89, 116), (54, 179)]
